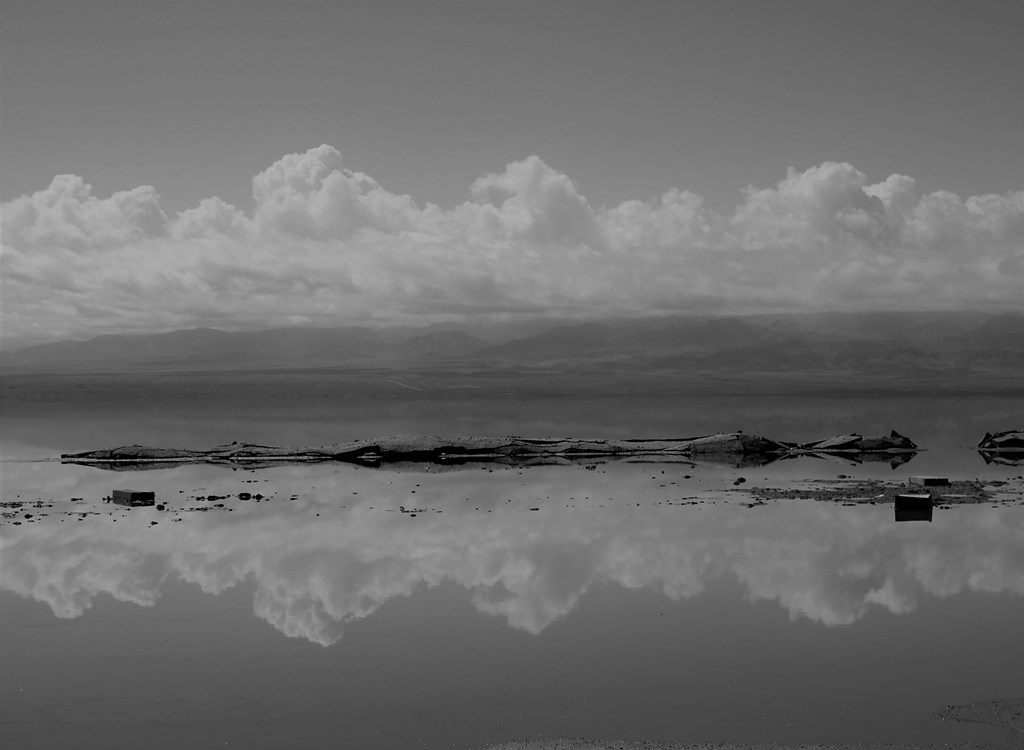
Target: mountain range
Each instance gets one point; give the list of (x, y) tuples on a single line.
[(957, 344)]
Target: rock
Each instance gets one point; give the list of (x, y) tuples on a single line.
[(1008, 441), (839, 442), (856, 443), (733, 448)]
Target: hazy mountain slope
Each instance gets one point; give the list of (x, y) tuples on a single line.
[(907, 344), (443, 344), (997, 332), (556, 343), (207, 348), (918, 326), (634, 338)]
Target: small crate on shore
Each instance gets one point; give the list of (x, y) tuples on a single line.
[(133, 498)]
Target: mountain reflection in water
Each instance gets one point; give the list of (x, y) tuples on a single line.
[(526, 545)]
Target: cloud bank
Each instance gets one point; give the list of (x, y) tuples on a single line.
[(325, 245)]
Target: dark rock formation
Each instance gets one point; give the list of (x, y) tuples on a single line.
[(1005, 448), (734, 448), (856, 443), (432, 449), (1009, 441)]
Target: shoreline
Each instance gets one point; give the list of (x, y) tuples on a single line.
[(1007, 714)]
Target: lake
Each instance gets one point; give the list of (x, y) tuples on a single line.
[(421, 607)]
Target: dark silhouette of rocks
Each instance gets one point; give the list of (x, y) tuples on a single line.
[(1008, 441), (894, 448), (855, 443), (1005, 448), (733, 448)]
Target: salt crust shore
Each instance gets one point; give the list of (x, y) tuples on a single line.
[(1008, 714), (586, 744), (582, 744), (1001, 713)]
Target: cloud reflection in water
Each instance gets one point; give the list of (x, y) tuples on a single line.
[(315, 573)]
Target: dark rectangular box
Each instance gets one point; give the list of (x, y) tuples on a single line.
[(930, 481), (914, 507), (133, 497)]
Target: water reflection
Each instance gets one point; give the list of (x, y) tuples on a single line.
[(914, 514), (526, 545), (1004, 459), (895, 460)]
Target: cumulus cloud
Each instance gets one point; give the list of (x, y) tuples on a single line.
[(331, 246), (67, 216)]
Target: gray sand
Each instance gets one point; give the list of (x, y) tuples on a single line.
[(1003, 713), (585, 744)]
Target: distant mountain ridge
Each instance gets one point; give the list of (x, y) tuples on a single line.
[(210, 348), (896, 343)]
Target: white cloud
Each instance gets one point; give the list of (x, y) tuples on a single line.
[(331, 246), (311, 196), (532, 202), (212, 218)]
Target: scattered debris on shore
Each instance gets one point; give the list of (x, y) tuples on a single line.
[(844, 490), (877, 491), (1008, 713)]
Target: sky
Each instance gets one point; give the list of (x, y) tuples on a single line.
[(255, 164)]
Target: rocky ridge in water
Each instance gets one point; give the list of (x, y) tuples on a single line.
[(504, 449)]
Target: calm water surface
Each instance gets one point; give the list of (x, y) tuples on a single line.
[(450, 609)]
